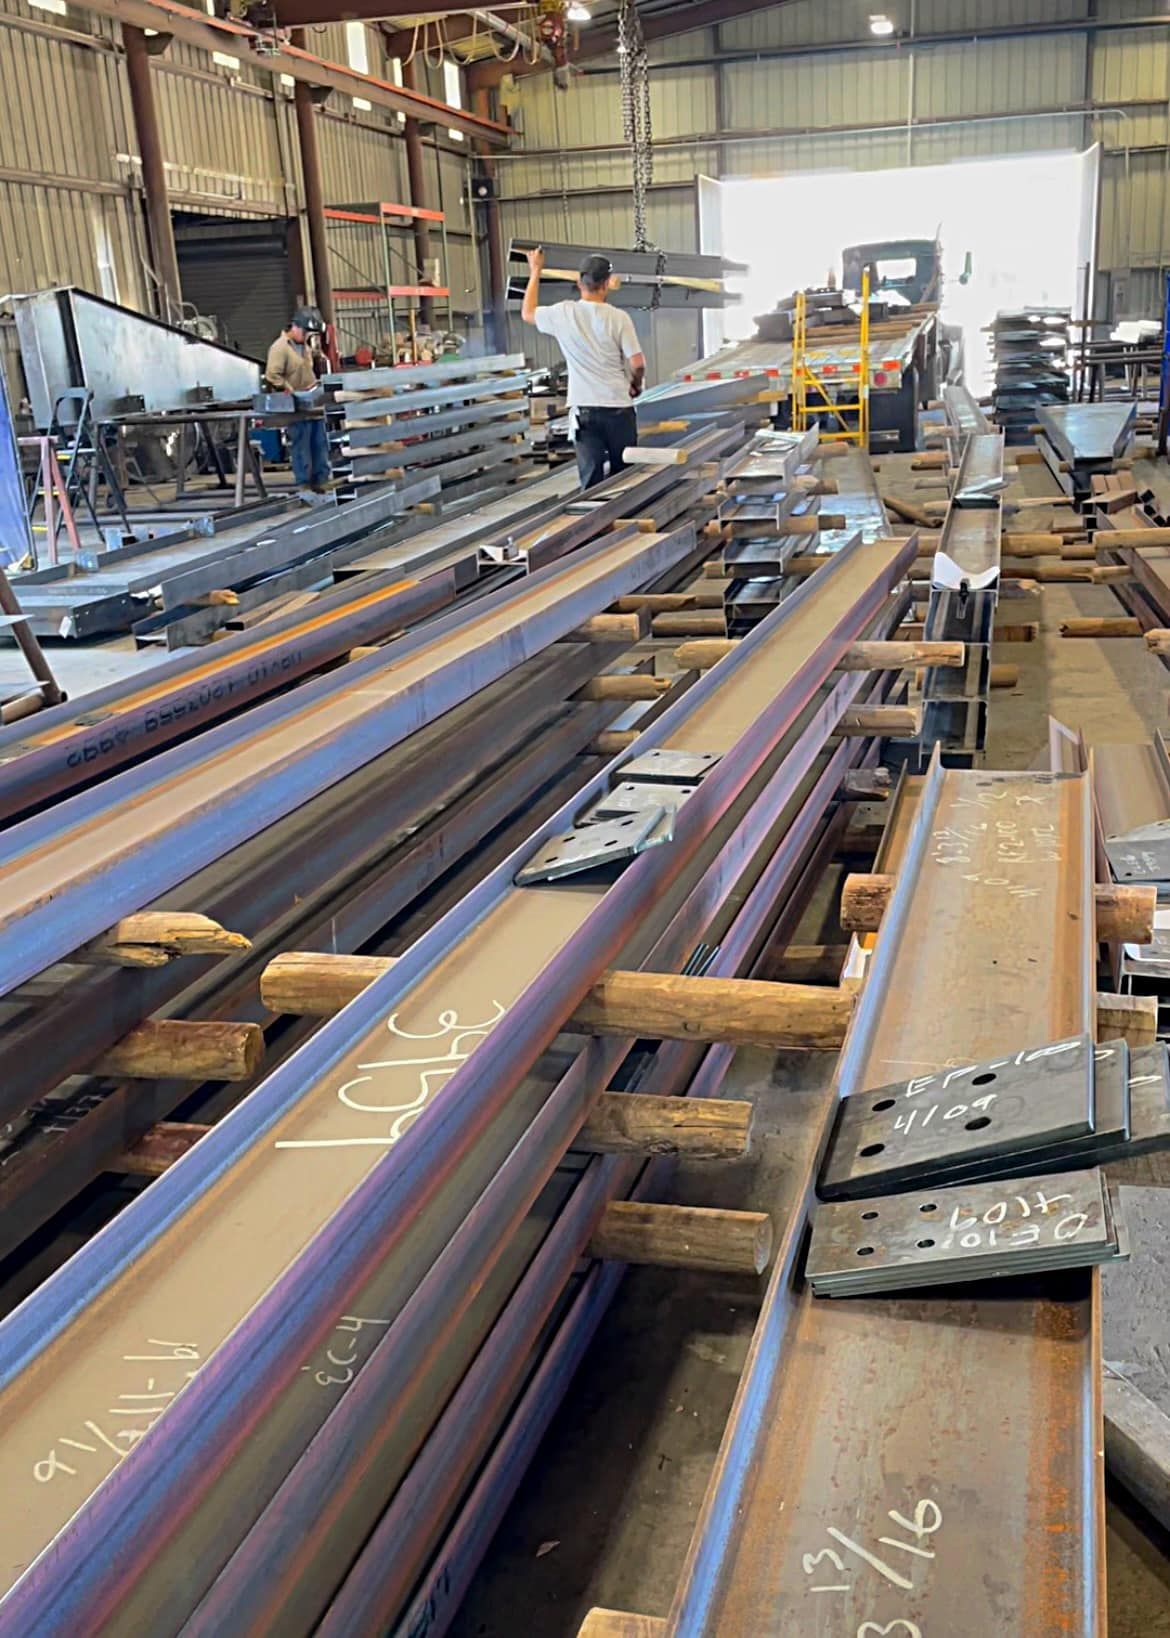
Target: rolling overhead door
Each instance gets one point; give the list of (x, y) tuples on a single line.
[(240, 273)]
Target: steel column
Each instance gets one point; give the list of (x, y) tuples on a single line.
[(154, 181), (306, 111), (497, 271), (419, 198)]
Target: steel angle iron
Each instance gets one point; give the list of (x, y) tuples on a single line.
[(952, 1236)]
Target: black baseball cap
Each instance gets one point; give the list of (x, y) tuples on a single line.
[(597, 269)]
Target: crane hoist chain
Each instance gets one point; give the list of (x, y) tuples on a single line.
[(636, 125)]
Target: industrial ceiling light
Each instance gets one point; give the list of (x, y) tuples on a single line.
[(879, 23), (578, 13)]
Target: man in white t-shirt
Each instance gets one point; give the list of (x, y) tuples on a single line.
[(607, 367)]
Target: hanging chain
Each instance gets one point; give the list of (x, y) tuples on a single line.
[(636, 126)]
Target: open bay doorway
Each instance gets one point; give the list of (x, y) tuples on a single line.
[(1028, 223)]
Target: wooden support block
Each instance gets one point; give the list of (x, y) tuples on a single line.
[(705, 652), (812, 523), (1158, 640), (1101, 626), (170, 1049), (312, 984), (1129, 1018), (690, 623), (799, 568), (660, 1006), (1124, 914), (1028, 457), (893, 656), (157, 1151), (1107, 574), (1028, 543), (1153, 536), (865, 785), (612, 740), (167, 932), (908, 510), (700, 1128), (1004, 676), (806, 964), (667, 602), (663, 426), (930, 460), (741, 1011), (1048, 574), (896, 721), (1026, 632), (644, 526), (1078, 551), (644, 455), (698, 1237), (221, 598), (911, 631), (713, 569), (362, 651), (636, 686), (601, 1623), (612, 628)]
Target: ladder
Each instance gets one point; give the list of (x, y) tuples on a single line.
[(812, 399)]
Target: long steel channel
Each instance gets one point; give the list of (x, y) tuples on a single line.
[(68, 874), (78, 742), (378, 1201), (372, 1595), (900, 1464)]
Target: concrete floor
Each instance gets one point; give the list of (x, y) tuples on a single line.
[(606, 1512)]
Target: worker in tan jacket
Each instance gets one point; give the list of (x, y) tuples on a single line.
[(291, 368)]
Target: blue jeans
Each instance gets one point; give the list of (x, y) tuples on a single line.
[(308, 450)]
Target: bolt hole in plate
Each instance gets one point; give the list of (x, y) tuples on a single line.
[(865, 1251), (868, 1216), (872, 1149), (985, 1079), (977, 1124), (883, 1103)]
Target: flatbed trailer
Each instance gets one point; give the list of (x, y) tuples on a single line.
[(904, 360)]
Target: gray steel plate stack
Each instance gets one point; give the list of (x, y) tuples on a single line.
[(978, 1231), (1069, 1103)]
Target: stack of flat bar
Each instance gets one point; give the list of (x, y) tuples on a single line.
[(1030, 352), (979, 1231), (460, 421), (964, 590)]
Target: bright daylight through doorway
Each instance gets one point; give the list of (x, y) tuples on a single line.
[(1025, 221)]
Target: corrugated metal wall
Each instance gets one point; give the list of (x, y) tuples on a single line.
[(70, 185), (69, 176), (865, 109)]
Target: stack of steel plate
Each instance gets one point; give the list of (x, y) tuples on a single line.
[(1069, 1103), (1030, 352), (978, 1231)]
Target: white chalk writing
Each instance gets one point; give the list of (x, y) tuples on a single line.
[(424, 1076)]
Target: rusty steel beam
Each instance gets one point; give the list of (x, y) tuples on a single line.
[(154, 181), (257, 45), (974, 1418)]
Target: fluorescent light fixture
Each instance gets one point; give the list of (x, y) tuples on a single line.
[(879, 23), (225, 60), (577, 13)]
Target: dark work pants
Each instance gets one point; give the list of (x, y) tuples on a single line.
[(602, 434), (308, 450)]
